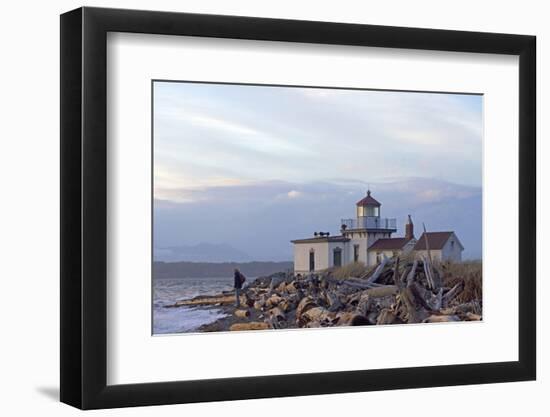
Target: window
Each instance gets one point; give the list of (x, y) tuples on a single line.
[(355, 253), (337, 257), (311, 260), (372, 211)]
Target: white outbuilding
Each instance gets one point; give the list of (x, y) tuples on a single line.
[(443, 246)]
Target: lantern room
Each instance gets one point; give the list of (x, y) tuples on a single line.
[(368, 207)]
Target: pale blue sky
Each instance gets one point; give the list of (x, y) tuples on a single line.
[(232, 153), (221, 135)]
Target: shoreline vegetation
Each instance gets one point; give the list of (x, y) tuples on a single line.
[(396, 291)]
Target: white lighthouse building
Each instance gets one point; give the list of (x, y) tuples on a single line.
[(367, 238), (323, 251)]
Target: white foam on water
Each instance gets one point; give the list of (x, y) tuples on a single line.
[(185, 319)]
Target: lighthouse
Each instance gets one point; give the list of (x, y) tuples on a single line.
[(367, 227), (367, 238)]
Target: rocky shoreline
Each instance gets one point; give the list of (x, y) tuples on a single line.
[(397, 291)]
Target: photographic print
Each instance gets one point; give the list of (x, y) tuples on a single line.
[(289, 207)]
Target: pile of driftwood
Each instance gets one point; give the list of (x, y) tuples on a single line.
[(394, 292)]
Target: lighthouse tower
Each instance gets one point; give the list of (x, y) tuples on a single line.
[(367, 227), (368, 211)]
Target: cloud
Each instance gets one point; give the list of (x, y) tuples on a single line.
[(257, 220), (294, 194), (277, 133)]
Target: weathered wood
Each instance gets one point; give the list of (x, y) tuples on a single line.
[(242, 313), (470, 307), (396, 271), (387, 316), (246, 300), (344, 318), (276, 314), (414, 312), (428, 272), (317, 314), (254, 325), (427, 243), (412, 273), (441, 319), (452, 293), (273, 301), (402, 280), (382, 291), (304, 304), (289, 303), (359, 320), (333, 301), (378, 271), (438, 302), (472, 317), (206, 300), (376, 299)]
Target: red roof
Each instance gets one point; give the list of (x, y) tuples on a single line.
[(389, 244), (436, 240), (368, 201)]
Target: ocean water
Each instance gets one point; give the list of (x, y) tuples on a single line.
[(167, 291)]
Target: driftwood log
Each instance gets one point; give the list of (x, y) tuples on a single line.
[(254, 325), (242, 313), (398, 290)]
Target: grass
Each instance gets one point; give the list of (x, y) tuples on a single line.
[(354, 269), (470, 272)]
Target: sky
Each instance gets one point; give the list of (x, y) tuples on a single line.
[(243, 169)]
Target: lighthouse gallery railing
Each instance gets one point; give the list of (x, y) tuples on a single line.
[(370, 222)]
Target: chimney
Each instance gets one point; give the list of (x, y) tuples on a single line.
[(409, 229)]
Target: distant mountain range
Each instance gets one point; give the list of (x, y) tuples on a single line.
[(220, 269), (201, 252)]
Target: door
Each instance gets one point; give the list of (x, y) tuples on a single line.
[(337, 257), (311, 261)]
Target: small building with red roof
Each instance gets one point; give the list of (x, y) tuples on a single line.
[(442, 246)]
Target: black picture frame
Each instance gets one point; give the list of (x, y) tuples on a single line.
[(84, 207)]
